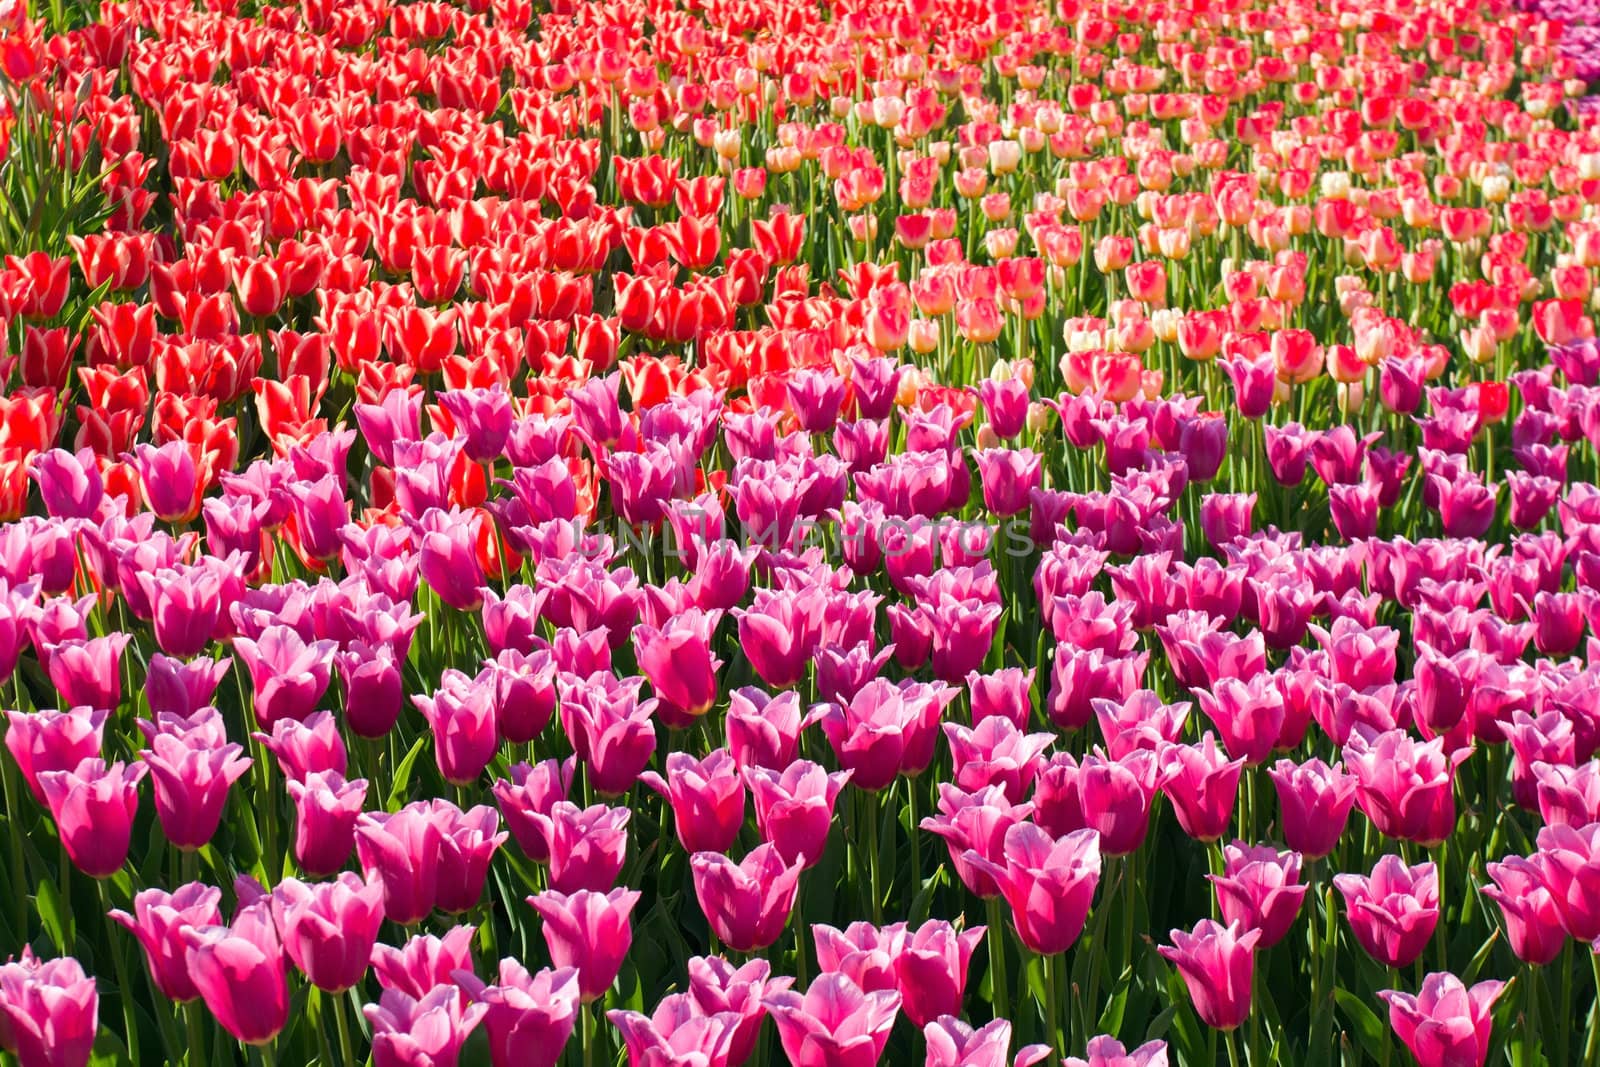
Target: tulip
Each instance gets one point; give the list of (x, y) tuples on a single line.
[(1049, 883), (424, 961), (1446, 1024), (952, 1043), (93, 806), (931, 970), (746, 903), (1006, 694), (468, 840), (864, 953), (49, 1012), (527, 800), (326, 809), (1393, 912), (88, 671), (1533, 922), (421, 1033), (794, 809), (676, 1033), (1202, 786), (289, 674), (763, 730), (1315, 800), (529, 1018), (589, 931), (588, 846), (461, 717), (159, 920), (1404, 786), (996, 752), (976, 822), (50, 740), (1217, 964), (1259, 890), (402, 851), (306, 747), (1105, 1051), (1569, 860), (329, 928), (191, 786), (241, 974), (678, 661), (834, 1024), (1116, 797), (707, 798), (717, 987)]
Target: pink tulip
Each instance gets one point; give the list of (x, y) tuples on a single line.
[(1533, 922), (952, 1043), (1315, 800), (289, 674), (884, 730), (49, 1012), (763, 730), (1248, 714), (611, 729), (402, 850), (862, 952), (1217, 964), (717, 987), (93, 806), (1105, 1051), (794, 809), (191, 786), (421, 1033), (996, 752), (527, 800), (1006, 694), (158, 921), (931, 970), (1259, 889), (88, 671), (834, 1024), (1202, 785), (326, 809), (1140, 720), (1404, 786), (1569, 859), (1049, 883), (468, 840), (589, 931), (678, 661), (1116, 797), (305, 746), (1569, 795), (746, 903), (707, 798), (676, 1033), (977, 822), (1446, 1024), (329, 928), (50, 740), (241, 973), (424, 961), (530, 1017), (588, 846), (1393, 912), (461, 717)]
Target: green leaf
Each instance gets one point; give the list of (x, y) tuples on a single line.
[(402, 776), (1368, 1027), (56, 914)]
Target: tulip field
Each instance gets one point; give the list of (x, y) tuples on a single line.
[(826, 533)]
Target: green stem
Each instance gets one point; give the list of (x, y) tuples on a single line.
[(997, 959), (872, 858), (120, 968), (194, 1016), (1591, 1047), (1052, 1004), (1564, 1033), (1233, 1048)]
